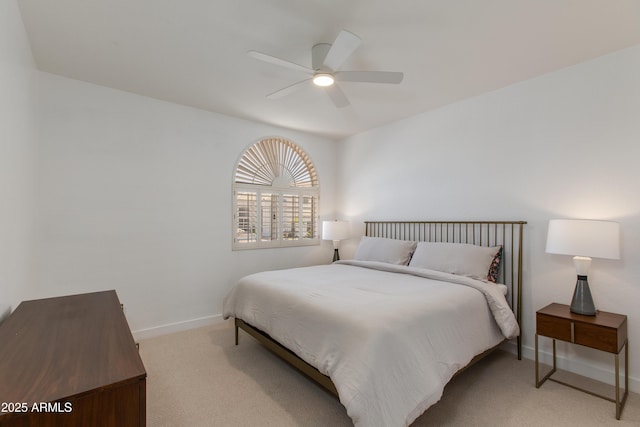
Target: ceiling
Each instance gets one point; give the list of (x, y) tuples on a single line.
[(194, 52)]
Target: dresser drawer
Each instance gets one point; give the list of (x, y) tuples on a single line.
[(587, 334)]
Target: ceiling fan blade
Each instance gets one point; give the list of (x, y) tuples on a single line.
[(391, 77), (280, 62), (318, 54), (287, 90), (337, 96), (344, 45)]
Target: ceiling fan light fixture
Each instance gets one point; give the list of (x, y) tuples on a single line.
[(323, 79), (326, 64)]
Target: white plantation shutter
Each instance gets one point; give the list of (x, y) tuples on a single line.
[(276, 159), (290, 214), (246, 217), (309, 220), (269, 217), (276, 196)]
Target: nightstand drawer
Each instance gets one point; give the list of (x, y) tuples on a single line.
[(587, 334), (598, 337), (554, 327)]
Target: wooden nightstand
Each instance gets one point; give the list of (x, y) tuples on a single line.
[(604, 331)]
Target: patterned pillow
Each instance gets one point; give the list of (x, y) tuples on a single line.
[(494, 268)]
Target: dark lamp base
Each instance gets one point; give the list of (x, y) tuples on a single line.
[(582, 302), (336, 255)]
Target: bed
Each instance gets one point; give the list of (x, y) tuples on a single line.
[(386, 331)]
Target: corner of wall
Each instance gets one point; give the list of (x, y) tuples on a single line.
[(5, 311)]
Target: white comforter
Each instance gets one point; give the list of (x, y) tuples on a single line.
[(390, 342)]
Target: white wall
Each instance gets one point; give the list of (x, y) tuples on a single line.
[(135, 195), (17, 154), (565, 145)]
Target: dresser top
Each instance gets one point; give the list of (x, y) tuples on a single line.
[(54, 348)]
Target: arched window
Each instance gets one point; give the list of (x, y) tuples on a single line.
[(276, 195)]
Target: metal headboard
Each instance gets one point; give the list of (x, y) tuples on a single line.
[(508, 234)]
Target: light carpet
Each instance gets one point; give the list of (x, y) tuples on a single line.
[(200, 378)]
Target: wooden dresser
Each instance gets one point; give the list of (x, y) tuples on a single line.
[(70, 361)]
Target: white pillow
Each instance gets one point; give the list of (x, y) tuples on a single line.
[(385, 250), (456, 258)]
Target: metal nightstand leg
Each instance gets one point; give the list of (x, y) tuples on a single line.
[(539, 382), (619, 401)]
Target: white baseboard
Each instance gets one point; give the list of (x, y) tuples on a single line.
[(170, 328)]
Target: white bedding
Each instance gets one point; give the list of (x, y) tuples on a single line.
[(389, 341)]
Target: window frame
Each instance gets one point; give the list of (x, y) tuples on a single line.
[(301, 192)]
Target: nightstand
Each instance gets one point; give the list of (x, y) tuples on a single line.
[(604, 331)]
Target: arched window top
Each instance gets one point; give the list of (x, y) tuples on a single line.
[(276, 162), (276, 196)]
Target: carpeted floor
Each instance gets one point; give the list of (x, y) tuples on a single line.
[(200, 378)]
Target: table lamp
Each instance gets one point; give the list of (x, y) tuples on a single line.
[(336, 231), (584, 239)]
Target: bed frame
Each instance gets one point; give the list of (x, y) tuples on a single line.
[(508, 234)]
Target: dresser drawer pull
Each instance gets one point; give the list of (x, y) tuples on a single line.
[(573, 332)]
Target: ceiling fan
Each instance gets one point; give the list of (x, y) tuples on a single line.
[(326, 60)]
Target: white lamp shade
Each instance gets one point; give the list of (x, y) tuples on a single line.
[(585, 238), (335, 230)]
